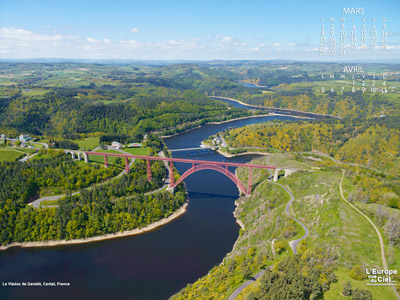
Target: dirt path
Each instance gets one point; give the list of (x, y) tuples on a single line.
[(383, 258)]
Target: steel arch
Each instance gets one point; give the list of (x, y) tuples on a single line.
[(220, 169)]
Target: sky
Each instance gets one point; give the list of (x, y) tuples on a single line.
[(193, 29)]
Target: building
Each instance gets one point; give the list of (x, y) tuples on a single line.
[(3, 136), (117, 145), (24, 138)]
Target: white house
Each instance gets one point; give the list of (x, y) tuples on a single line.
[(117, 145)]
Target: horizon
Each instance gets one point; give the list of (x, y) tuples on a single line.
[(395, 60)]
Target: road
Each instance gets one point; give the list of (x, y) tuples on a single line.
[(246, 284), (25, 158), (293, 244), (36, 203), (29, 142)]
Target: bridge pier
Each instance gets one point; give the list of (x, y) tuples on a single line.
[(276, 173), (86, 157), (126, 165), (248, 181), (171, 174), (148, 170), (171, 190), (105, 161)]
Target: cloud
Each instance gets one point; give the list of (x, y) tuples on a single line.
[(230, 42), (22, 43), (10, 33), (391, 47), (130, 43), (92, 40), (135, 29)]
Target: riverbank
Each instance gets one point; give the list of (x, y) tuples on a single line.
[(228, 155), (108, 236), (275, 108), (257, 116), (252, 116), (178, 133), (226, 121)]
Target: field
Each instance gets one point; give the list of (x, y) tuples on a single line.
[(111, 159), (137, 151), (10, 154), (88, 143)]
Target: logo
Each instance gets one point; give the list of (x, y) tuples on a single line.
[(380, 276)]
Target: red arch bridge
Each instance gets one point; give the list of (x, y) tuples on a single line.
[(197, 165)]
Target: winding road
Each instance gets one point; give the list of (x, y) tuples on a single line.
[(293, 244)]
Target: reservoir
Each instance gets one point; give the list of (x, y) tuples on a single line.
[(154, 265)]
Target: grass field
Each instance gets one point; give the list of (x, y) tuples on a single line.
[(88, 143), (10, 154), (34, 92), (335, 291), (137, 151), (49, 202), (111, 159)]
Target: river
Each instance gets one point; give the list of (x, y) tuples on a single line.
[(153, 265)]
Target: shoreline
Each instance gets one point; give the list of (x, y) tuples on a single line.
[(275, 108), (228, 155), (236, 119), (107, 236), (175, 134), (257, 116)]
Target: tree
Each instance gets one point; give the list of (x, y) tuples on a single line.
[(246, 272), (347, 291), (357, 273), (279, 247), (361, 295), (392, 229)]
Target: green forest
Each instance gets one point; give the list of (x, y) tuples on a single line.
[(116, 205)]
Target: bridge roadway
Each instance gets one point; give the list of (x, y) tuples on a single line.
[(183, 160), (191, 149)]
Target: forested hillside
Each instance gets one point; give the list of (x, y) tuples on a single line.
[(374, 143), (117, 205)]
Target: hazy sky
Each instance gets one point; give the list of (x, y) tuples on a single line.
[(200, 29)]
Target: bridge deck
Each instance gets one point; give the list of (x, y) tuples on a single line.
[(183, 160), (190, 149)]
